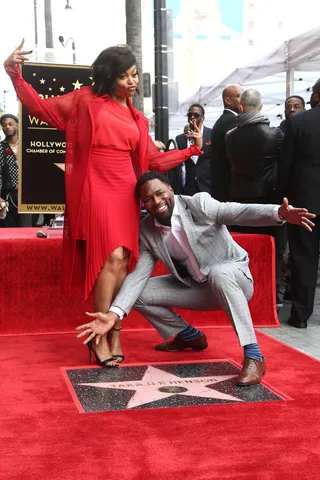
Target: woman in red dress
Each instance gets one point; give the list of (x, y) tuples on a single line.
[(108, 148)]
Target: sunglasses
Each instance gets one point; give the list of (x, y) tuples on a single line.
[(195, 115)]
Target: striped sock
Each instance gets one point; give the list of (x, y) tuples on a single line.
[(253, 351), (189, 333)]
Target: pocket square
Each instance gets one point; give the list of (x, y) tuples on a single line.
[(208, 142)]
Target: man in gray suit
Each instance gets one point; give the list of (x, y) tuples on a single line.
[(208, 270)]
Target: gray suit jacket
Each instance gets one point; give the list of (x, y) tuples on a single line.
[(204, 220)]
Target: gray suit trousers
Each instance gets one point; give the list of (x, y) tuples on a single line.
[(227, 288)]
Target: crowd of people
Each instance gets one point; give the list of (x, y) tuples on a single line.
[(254, 163), (225, 178)]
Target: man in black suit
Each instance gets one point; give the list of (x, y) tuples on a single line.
[(220, 165), (299, 177), (195, 174), (294, 104)]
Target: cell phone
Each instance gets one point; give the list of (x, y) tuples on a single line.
[(191, 127)]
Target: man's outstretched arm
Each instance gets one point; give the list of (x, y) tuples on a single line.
[(254, 215)]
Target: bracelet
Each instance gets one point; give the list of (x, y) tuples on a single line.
[(280, 215)]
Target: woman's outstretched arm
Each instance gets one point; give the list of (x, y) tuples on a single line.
[(55, 111)]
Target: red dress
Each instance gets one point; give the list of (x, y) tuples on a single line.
[(98, 148), (109, 214)]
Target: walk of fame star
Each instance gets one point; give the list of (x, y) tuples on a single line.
[(157, 385), (161, 386)]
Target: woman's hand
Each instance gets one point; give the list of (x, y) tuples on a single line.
[(196, 134), (18, 56)]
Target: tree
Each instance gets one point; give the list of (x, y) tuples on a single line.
[(134, 39)]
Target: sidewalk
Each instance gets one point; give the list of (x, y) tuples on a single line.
[(307, 340)]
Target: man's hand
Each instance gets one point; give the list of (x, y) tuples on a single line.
[(18, 56), (196, 134), (102, 323), (3, 208), (298, 216)]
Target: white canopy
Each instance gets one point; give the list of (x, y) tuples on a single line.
[(299, 53)]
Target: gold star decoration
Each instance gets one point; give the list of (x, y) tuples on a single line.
[(61, 166), (50, 89), (34, 74), (62, 89), (42, 81), (53, 79), (77, 85)]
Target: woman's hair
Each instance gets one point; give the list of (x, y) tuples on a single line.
[(109, 65)]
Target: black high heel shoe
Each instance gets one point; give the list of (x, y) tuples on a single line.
[(119, 358), (104, 363)]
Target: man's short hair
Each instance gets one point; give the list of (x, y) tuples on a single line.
[(297, 96), (250, 98), (151, 176), (8, 115), (197, 105)]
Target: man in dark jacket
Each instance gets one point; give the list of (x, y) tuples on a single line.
[(294, 104), (253, 149), (299, 175), (220, 166), (195, 173)]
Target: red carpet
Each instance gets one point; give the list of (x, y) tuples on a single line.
[(44, 437), (31, 296)]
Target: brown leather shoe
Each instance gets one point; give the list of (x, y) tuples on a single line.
[(177, 344), (252, 372)]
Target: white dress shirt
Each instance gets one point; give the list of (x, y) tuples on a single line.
[(177, 244), (234, 113)]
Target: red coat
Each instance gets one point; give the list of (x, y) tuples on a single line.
[(75, 114)]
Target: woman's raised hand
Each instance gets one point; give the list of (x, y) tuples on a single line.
[(18, 56)]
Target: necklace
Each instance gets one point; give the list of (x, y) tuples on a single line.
[(13, 144)]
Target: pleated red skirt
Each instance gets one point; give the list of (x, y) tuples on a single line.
[(109, 216)]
